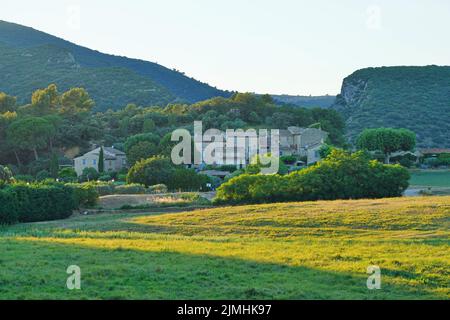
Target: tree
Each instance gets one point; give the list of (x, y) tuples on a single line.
[(54, 166), (7, 103), (101, 161), (387, 140), (45, 101), (76, 101), (133, 140), (152, 171), (30, 134), (141, 150)]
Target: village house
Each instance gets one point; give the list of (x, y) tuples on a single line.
[(295, 141), (114, 160)]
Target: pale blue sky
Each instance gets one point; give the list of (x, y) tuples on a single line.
[(284, 46)]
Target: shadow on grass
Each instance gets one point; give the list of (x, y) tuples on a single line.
[(37, 270)]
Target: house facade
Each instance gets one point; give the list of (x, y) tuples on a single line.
[(114, 160), (296, 141)]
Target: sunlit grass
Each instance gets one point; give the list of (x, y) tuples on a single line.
[(283, 251)]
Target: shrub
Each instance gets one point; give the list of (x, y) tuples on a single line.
[(151, 171), (130, 189), (83, 195), (89, 174), (340, 176), (24, 178), (43, 175), (105, 178), (102, 188), (187, 180), (8, 207), (67, 175), (159, 188), (35, 202), (6, 175)]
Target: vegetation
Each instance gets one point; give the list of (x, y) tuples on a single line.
[(40, 136), (387, 141), (160, 170), (33, 59), (317, 250), (35, 202), (415, 98), (340, 176)]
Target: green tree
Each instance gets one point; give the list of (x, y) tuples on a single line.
[(76, 101), (387, 140), (54, 166), (152, 171), (133, 140), (30, 134), (141, 150), (101, 161)]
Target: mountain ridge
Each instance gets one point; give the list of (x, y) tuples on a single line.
[(412, 97), (182, 88)]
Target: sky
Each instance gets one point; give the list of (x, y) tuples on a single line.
[(298, 47)]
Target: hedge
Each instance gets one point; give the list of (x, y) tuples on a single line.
[(35, 202), (43, 201)]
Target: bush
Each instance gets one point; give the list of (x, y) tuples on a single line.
[(130, 189), (102, 188), (24, 178), (6, 175), (8, 207), (105, 178), (35, 202), (67, 175), (159, 188), (340, 176), (89, 174), (83, 195), (151, 171), (43, 175), (187, 180)]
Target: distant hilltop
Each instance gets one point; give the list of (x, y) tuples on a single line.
[(416, 98), (30, 59)]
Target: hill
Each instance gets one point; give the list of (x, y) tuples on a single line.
[(417, 98), (307, 250), (306, 101), (30, 59)]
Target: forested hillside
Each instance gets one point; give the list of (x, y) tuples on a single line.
[(58, 124), (306, 101), (30, 59), (416, 98)]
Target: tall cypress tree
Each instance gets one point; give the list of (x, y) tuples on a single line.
[(101, 161), (54, 166)]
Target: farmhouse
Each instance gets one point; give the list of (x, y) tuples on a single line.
[(296, 141), (114, 160)]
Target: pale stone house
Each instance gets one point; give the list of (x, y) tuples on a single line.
[(301, 142), (114, 160)]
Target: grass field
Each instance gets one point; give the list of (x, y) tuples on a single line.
[(280, 251), (430, 178)]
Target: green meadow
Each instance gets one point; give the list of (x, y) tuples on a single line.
[(310, 250)]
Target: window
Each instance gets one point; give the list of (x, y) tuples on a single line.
[(94, 162), (84, 162)]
